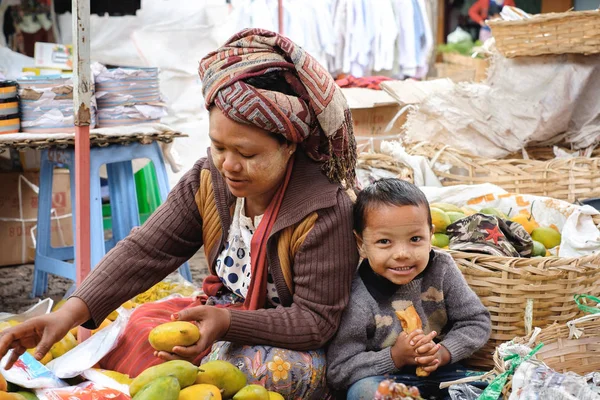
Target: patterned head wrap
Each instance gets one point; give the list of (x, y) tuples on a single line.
[(318, 118)]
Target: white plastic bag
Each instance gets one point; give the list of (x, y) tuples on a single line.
[(91, 351), (29, 373)]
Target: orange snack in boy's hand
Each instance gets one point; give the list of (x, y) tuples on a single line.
[(410, 321)]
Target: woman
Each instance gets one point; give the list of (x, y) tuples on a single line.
[(487, 9), (270, 207)]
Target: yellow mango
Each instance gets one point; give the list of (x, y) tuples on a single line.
[(113, 316), (226, 376), (45, 360), (252, 392), (3, 384), (446, 207), (526, 221), (4, 325), (440, 220), (117, 376), (202, 391), (180, 333), (11, 396), (275, 396), (184, 371), (546, 236), (162, 388), (74, 331), (67, 343), (103, 325), (12, 322)]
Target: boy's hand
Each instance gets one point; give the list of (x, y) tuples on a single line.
[(403, 353), (431, 362)]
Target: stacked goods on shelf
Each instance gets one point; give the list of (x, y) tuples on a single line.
[(9, 107), (47, 104), (128, 96)]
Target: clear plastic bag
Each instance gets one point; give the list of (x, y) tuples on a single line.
[(83, 391), (464, 391), (172, 284)]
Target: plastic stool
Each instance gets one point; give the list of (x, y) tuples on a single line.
[(124, 208)]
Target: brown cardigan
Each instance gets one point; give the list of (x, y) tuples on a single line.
[(319, 275)]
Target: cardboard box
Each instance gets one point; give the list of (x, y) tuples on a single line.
[(372, 111), (18, 215), (53, 55)]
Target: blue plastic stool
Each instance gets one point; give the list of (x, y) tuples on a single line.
[(123, 202)]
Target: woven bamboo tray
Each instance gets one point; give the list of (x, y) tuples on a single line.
[(388, 163), (564, 179), (505, 285), (552, 33)]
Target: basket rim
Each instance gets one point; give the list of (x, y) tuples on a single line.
[(540, 18), (531, 262)]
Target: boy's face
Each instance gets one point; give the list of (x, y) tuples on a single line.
[(397, 241)]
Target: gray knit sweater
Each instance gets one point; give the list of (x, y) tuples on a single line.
[(369, 327)]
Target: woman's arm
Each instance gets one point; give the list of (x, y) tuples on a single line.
[(478, 11), (323, 270), (172, 234)]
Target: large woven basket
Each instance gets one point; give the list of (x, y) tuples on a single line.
[(567, 179), (509, 286), (552, 33), (388, 163)]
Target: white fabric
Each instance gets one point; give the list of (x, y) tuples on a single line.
[(233, 264)]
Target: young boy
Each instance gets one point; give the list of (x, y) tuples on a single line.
[(393, 229)]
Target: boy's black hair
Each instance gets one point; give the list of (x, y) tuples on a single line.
[(388, 191)]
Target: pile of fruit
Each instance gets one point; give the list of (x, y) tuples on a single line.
[(544, 238), (162, 290), (390, 390), (182, 380), (18, 395)]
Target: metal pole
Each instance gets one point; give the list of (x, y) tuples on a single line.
[(82, 94), (280, 9)]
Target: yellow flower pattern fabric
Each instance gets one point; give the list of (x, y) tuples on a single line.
[(279, 368)]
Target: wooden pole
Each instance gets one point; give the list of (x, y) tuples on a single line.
[(280, 9), (82, 94)]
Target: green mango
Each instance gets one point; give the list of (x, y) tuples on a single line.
[(184, 371), (226, 376), (162, 388), (252, 392), (28, 395)]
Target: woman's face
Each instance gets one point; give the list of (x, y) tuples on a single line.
[(251, 160)]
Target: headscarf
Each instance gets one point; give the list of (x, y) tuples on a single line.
[(318, 119)]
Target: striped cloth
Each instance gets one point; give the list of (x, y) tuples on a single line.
[(318, 118)]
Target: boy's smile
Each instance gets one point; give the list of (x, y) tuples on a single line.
[(396, 240)]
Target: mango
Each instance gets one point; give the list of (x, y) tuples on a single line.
[(3, 384), (539, 250), (28, 395), (275, 396), (468, 211), (184, 371), (226, 376), (128, 305), (117, 376), (446, 207), (166, 336), (58, 305), (12, 322), (455, 216), (526, 221), (440, 240), (4, 325), (67, 343), (493, 211), (546, 236), (252, 392), (74, 331), (45, 360), (113, 316), (162, 388), (202, 391), (11, 396), (103, 325), (440, 220)]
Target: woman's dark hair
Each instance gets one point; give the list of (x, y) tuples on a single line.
[(274, 81), (388, 191)]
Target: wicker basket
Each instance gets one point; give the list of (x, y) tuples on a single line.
[(506, 284), (388, 163), (552, 33), (564, 179)]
